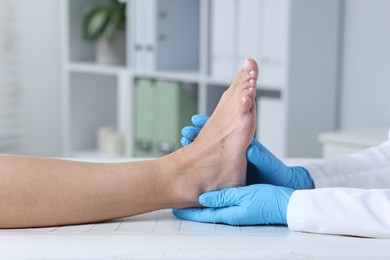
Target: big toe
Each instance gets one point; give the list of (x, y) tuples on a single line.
[(250, 66)]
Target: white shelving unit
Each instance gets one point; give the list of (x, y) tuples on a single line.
[(295, 43)]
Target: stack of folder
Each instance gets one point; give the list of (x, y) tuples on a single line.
[(162, 109)]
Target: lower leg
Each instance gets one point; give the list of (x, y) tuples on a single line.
[(47, 192)]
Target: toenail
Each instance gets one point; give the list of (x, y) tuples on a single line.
[(252, 73), (244, 99), (252, 82), (246, 63)]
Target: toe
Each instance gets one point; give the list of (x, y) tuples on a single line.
[(246, 104), (250, 66), (250, 92)]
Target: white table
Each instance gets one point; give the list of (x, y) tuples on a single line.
[(159, 235)]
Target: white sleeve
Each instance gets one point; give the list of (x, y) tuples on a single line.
[(342, 211), (367, 169)]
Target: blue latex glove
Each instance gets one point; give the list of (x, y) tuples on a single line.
[(273, 171), (268, 168), (250, 205), (189, 133)]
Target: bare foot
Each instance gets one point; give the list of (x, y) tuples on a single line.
[(217, 157)]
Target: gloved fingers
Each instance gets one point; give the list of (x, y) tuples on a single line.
[(199, 120), (223, 198), (253, 152), (190, 132), (184, 141), (196, 214), (266, 161), (207, 215)]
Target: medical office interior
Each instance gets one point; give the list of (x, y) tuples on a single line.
[(66, 91)]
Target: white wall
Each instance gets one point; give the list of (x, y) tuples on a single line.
[(365, 99), (41, 77)]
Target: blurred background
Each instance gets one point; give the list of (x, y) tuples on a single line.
[(92, 78)]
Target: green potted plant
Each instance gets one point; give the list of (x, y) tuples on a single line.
[(105, 24)]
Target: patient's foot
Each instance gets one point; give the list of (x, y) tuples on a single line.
[(217, 157)]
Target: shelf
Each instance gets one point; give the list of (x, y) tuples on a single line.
[(94, 68), (200, 45), (181, 76), (219, 81), (91, 68), (227, 80)]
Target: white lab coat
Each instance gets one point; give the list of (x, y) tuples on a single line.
[(351, 196)]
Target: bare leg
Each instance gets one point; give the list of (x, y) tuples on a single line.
[(47, 192)]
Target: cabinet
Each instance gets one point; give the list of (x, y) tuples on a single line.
[(191, 50)]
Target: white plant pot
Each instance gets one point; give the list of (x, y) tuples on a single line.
[(112, 52)]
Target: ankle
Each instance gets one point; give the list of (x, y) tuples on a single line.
[(183, 184)]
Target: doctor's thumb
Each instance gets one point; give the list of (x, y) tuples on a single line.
[(253, 152), (218, 199)]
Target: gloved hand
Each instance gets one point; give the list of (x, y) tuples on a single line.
[(189, 133), (249, 205), (268, 168), (273, 171)]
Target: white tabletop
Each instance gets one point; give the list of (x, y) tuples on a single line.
[(159, 235)]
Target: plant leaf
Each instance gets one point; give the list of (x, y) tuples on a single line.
[(98, 22), (103, 20)]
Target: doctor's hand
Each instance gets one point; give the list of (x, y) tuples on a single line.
[(250, 205), (189, 133), (268, 168)]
